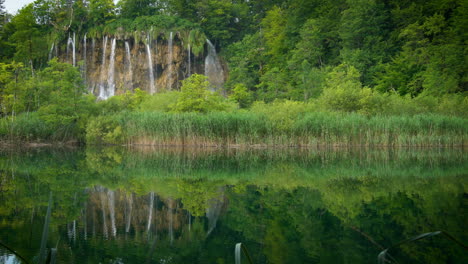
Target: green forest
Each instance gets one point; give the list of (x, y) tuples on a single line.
[(298, 73)]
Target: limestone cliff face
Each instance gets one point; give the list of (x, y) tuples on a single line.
[(112, 66)]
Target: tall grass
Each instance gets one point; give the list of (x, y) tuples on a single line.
[(311, 129), (246, 128), (31, 127)]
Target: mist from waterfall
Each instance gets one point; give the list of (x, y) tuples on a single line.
[(111, 73), (129, 64), (103, 70), (150, 65), (213, 68), (71, 42), (189, 68), (170, 60), (51, 50), (84, 59)]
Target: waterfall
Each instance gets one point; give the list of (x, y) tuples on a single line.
[(150, 213), (101, 85), (170, 60), (111, 72), (129, 64), (110, 196), (51, 50), (74, 50), (93, 45), (213, 69), (189, 61), (150, 65), (71, 42), (84, 59)]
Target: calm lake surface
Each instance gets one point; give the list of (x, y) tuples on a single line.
[(147, 205)]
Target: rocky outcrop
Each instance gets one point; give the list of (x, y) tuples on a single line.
[(112, 65)]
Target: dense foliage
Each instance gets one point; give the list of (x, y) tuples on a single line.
[(374, 58)]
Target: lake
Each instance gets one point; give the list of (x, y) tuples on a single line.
[(188, 205)]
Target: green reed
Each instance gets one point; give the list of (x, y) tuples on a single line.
[(312, 129)]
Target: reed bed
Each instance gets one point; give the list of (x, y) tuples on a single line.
[(246, 128), (312, 129)]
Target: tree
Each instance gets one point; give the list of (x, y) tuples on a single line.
[(28, 37), (364, 27), (134, 8), (101, 11), (195, 96)]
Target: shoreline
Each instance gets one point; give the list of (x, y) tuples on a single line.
[(5, 144)]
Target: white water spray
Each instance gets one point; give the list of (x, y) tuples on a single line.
[(170, 60), (103, 71), (213, 69), (129, 64), (150, 65)]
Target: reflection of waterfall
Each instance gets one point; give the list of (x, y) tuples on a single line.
[(110, 76), (170, 59), (103, 208), (213, 212), (171, 219), (103, 71), (128, 212), (110, 196), (129, 65), (150, 65), (150, 213), (85, 222), (213, 68)]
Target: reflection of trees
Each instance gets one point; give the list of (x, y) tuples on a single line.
[(299, 208)]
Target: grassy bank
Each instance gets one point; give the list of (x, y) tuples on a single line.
[(252, 129)]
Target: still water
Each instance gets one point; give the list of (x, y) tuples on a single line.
[(145, 205)]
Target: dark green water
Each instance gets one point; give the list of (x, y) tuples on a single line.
[(119, 205)]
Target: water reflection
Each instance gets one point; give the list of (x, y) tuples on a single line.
[(191, 206)]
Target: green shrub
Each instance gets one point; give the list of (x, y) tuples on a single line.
[(160, 102), (105, 130)]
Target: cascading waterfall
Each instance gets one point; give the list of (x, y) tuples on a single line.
[(103, 71), (213, 68), (111, 197), (74, 50), (84, 59), (150, 65), (71, 42), (170, 60), (51, 50), (150, 213), (93, 46), (129, 64), (189, 61), (111, 72)]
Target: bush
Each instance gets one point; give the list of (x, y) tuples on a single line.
[(195, 96), (159, 102), (105, 130)]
